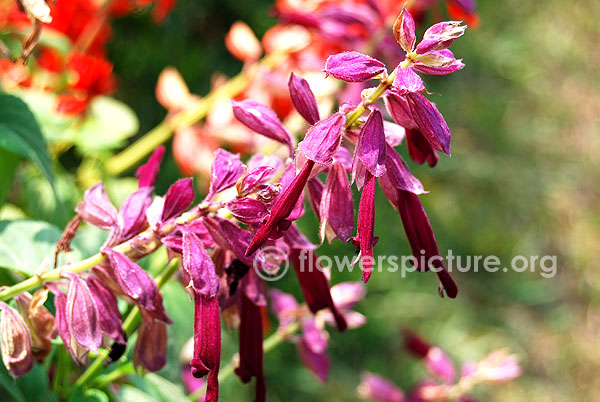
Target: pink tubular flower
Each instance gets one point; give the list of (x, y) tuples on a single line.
[(251, 342), (377, 388), (314, 284)]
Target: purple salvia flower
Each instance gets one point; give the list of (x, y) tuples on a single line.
[(315, 193), (151, 346), (303, 99), (336, 206), (15, 342), (198, 265), (268, 192), (421, 238), (207, 343), (439, 364), (258, 160), (399, 175), (249, 182), (394, 134), (419, 149), (315, 337), (354, 319), (295, 239), (82, 314), (132, 214), (230, 236), (344, 158), (283, 207), (345, 295), (263, 120), (178, 198), (435, 359), (398, 108), (430, 121), (247, 210), (318, 363), (437, 62), (371, 146), (251, 344), (137, 284), (225, 172), (148, 172), (254, 289), (498, 366), (353, 67), (407, 81), (284, 306), (96, 209), (78, 353), (376, 388), (366, 226), (314, 284), (109, 316), (359, 172), (323, 139), (154, 212), (404, 31), (312, 348), (441, 35)]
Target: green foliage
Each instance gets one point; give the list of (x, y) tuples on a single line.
[(21, 134), (26, 246)]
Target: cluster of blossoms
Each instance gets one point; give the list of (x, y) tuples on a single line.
[(80, 73), (307, 33), (495, 368), (219, 241)]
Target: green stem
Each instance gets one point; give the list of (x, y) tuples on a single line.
[(383, 86), (158, 135), (130, 325), (269, 344)]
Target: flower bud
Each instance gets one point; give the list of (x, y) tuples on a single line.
[(15, 342), (242, 43), (96, 209), (226, 170), (303, 99), (404, 30), (441, 35), (262, 120), (377, 388), (353, 67)]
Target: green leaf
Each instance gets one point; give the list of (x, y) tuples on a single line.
[(130, 394), (25, 244), (20, 134), (109, 123), (166, 390), (34, 385), (8, 387), (8, 167)]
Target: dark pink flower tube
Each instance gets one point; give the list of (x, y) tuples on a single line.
[(251, 346), (207, 343), (314, 284)]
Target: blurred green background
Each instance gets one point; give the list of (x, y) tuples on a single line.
[(522, 180)]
